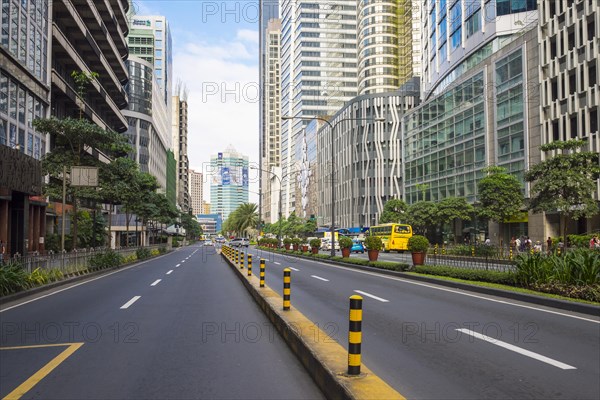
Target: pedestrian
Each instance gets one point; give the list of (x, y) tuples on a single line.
[(549, 245), (518, 244), (537, 248), (594, 243), (2, 252)]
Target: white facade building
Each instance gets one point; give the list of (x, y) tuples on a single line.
[(196, 181), (318, 70)]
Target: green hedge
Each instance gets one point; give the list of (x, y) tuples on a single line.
[(394, 266), (505, 278), (13, 278)]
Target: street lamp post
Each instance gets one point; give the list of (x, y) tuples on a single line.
[(332, 127), (279, 207)]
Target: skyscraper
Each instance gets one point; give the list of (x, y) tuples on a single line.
[(268, 10), (229, 182), (179, 129), (270, 152), (196, 191), (318, 70), (387, 53), (151, 40)]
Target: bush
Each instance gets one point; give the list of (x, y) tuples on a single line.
[(106, 259), (296, 241), (418, 243), (500, 277), (315, 243), (321, 256), (162, 249), (373, 243), (142, 253), (393, 266), (345, 242), (129, 259), (154, 252), (575, 267), (287, 241), (175, 241), (357, 261), (38, 277), (13, 278)]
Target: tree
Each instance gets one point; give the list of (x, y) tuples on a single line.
[(394, 210), (452, 208), (500, 195), (423, 216), (309, 227), (242, 218), (565, 182), (74, 142), (191, 226)]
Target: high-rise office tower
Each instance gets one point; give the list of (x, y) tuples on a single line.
[(151, 40), (270, 152), (318, 70), (196, 181), (268, 10), (229, 182), (388, 55), (569, 37), (457, 34), (179, 129)]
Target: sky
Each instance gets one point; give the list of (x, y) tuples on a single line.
[(215, 55)]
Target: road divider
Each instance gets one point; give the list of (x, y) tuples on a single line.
[(242, 260), (354, 335), (262, 272), (324, 358), (249, 264), (287, 289)]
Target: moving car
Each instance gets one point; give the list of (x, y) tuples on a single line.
[(208, 243), (357, 246), (327, 245), (239, 242)]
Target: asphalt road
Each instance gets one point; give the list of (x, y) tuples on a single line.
[(193, 333), (432, 342)]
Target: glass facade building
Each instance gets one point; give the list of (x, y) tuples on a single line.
[(229, 182)]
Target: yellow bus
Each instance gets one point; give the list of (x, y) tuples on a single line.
[(394, 236)]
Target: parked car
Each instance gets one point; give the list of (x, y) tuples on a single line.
[(239, 242), (328, 245), (357, 246)]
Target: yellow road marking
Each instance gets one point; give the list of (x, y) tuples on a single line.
[(44, 371)]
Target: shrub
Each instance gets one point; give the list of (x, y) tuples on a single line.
[(106, 259), (175, 241), (393, 266), (13, 278), (357, 261), (129, 259), (142, 253), (38, 277), (321, 256), (154, 252), (373, 243), (500, 277), (576, 267), (287, 241), (315, 243), (345, 242), (418, 243), (162, 249), (55, 274)]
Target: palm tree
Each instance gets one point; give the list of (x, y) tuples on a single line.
[(244, 217)]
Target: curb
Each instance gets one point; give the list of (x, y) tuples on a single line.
[(323, 358), (566, 305), (64, 282)]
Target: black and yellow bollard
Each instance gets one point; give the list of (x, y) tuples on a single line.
[(249, 264), (287, 280), (242, 260), (262, 272), (355, 335), (237, 257)]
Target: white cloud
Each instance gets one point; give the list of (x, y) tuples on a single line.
[(248, 35), (222, 83)]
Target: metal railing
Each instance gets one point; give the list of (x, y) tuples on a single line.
[(72, 262)]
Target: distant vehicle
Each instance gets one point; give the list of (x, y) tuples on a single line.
[(357, 246), (394, 236), (327, 245), (208, 243), (220, 239), (239, 242)]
